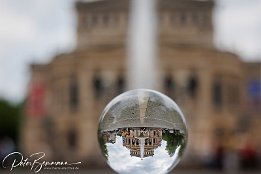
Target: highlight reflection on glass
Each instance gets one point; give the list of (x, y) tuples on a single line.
[(142, 131)]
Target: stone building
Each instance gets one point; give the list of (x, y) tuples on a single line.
[(151, 140), (67, 95)]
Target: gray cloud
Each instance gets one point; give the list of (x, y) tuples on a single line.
[(120, 160), (238, 27), (31, 31), (34, 31)]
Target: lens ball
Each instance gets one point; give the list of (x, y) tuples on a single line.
[(142, 131)]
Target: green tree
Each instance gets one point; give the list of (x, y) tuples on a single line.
[(10, 116), (173, 141), (103, 145)]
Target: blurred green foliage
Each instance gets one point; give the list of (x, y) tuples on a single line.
[(103, 146), (173, 141), (10, 116)]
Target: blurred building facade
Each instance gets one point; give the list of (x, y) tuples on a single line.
[(218, 92)]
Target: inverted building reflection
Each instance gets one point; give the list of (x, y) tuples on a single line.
[(142, 142)]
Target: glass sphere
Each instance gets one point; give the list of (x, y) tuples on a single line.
[(142, 131)]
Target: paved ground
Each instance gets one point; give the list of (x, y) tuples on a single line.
[(142, 110), (110, 172), (186, 172)]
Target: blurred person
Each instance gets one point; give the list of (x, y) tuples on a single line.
[(214, 159), (231, 158), (7, 146), (248, 156), (219, 154)]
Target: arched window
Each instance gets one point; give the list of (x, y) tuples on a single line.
[(183, 18), (98, 86), (94, 19), (202, 18), (192, 86), (120, 84), (217, 98), (73, 93), (173, 19), (232, 94), (169, 85), (72, 139), (195, 19), (105, 19)]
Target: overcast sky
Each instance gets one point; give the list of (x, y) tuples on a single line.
[(36, 30)]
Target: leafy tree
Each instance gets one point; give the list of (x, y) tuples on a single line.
[(10, 115), (103, 145), (173, 141)]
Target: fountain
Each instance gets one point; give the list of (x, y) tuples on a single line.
[(142, 44)]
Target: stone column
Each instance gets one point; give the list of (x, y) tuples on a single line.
[(201, 133)]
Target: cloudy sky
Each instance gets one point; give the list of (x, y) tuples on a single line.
[(120, 160), (36, 30)]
